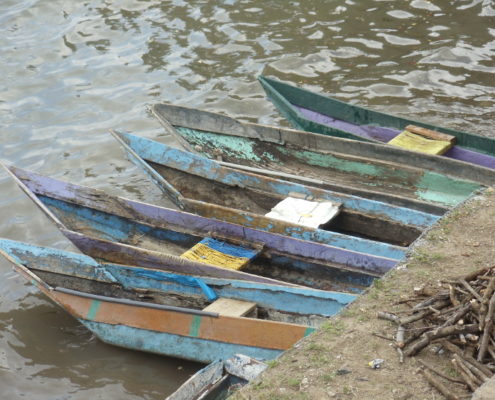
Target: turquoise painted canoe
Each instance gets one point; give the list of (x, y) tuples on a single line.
[(127, 232), (321, 114), (200, 319), (296, 157), (203, 186)]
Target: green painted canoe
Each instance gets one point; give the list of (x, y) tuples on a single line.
[(313, 112), (296, 156)]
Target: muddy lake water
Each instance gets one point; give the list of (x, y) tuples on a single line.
[(70, 71)]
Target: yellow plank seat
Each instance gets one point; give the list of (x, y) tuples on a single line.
[(232, 307), (424, 140), (221, 254), (305, 212)]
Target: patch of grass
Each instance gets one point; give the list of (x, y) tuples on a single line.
[(319, 358), (426, 257), (316, 346), (294, 382), (333, 327), (347, 390), (272, 363), (327, 378)]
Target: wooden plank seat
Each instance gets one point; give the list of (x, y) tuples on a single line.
[(423, 140), (222, 254), (305, 212), (231, 307)]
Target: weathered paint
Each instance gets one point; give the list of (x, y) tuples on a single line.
[(368, 254), (195, 325), (287, 98), (294, 299), (422, 184), (138, 326), (230, 145), (184, 347), (163, 154), (93, 309), (170, 115)]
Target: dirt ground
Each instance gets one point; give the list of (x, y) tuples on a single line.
[(333, 363)]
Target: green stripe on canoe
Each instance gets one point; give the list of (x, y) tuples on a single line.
[(93, 309), (195, 325)]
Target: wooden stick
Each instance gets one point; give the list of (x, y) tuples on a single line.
[(431, 300), (476, 372), (465, 376), (453, 299), (439, 333), (430, 134), (382, 336), (477, 381), (439, 373), (471, 290), (457, 350), (487, 331), (388, 316), (458, 315), (473, 275), (439, 386), (399, 338)]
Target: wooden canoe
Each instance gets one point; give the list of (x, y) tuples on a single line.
[(128, 232), (291, 155), (205, 187), (219, 379), (201, 319), (321, 114)]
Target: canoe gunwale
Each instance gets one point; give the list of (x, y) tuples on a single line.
[(135, 303)]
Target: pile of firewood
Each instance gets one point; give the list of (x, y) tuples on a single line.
[(458, 317)]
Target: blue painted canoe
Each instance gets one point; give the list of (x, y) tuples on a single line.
[(128, 232), (201, 319), (194, 183), (317, 161), (321, 114)]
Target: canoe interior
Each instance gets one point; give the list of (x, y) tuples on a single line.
[(286, 96), (260, 202), (333, 168), (170, 298), (174, 241)]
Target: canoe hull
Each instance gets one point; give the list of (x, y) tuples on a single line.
[(165, 329), (275, 152), (321, 114)]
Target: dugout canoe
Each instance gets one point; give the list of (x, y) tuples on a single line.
[(129, 232), (313, 112), (200, 319), (200, 185), (294, 155), (219, 379)]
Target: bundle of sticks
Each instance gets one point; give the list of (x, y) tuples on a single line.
[(458, 315)]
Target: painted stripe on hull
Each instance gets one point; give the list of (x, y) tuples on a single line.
[(189, 348), (242, 331)]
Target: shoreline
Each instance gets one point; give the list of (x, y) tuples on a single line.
[(333, 362)]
